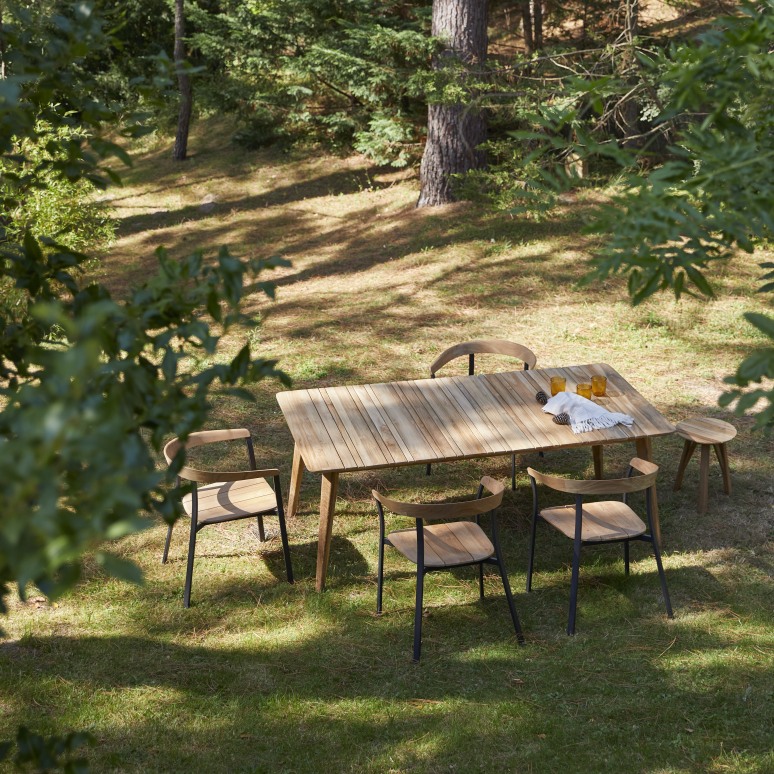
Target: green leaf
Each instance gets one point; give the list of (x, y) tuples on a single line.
[(762, 322), (119, 567)]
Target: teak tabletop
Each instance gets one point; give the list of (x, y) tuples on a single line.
[(362, 427)]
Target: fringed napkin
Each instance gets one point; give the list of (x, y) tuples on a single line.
[(584, 414)]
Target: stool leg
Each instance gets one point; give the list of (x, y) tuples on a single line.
[(704, 478), (688, 450), (721, 450)]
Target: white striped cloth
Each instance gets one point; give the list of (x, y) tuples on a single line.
[(585, 415)]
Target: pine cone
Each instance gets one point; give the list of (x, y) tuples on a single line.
[(541, 398), (562, 419)]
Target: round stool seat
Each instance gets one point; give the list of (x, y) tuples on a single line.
[(704, 430)]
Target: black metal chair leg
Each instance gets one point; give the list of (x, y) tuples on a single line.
[(189, 567), (380, 567), (531, 563), (427, 470), (261, 532), (576, 553), (418, 612), (283, 529), (513, 472), (166, 545), (626, 557), (481, 580), (506, 584), (662, 577)]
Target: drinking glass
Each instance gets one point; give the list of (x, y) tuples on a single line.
[(558, 383), (598, 385), (584, 390)]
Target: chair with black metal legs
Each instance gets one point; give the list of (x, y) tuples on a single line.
[(444, 544), (589, 523), (226, 496), (485, 346)]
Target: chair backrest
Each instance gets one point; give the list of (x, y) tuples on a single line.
[(455, 510), (610, 486), (173, 448), (490, 346)]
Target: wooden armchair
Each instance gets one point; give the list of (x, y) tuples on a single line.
[(226, 496), (442, 546), (609, 521), (480, 347)]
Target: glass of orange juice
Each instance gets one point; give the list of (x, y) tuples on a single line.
[(584, 390), (558, 383), (598, 385)]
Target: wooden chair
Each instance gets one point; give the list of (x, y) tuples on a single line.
[(226, 496), (442, 546), (609, 521), (492, 347), (705, 432)]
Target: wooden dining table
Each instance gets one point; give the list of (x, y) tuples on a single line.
[(418, 421)]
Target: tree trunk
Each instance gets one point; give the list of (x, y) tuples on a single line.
[(526, 23), (454, 132), (632, 22), (537, 18), (629, 112), (2, 45), (184, 83)]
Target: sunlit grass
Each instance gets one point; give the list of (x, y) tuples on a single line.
[(260, 675)]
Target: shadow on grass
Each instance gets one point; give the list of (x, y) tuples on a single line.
[(344, 687), (344, 182)]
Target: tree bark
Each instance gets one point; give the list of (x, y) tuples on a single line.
[(526, 23), (454, 132), (537, 18), (2, 45), (180, 151)]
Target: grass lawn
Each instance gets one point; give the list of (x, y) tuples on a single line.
[(262, 676)]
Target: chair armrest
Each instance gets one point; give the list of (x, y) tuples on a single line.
[(435, 511), (211, 476), (201, 438), (610, 486)]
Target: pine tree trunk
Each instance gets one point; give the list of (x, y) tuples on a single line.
[(629, 112), (2, 45), (454, 132), (537, 18), (526, 16), (184, 83)]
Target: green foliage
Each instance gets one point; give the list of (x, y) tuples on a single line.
[(386, 141), (37, 753), (314, 70), (50, 205), (710, 193), (91, 386)]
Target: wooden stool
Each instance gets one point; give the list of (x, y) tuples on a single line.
[(705, 433)]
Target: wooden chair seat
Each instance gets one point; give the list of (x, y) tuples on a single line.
[(446, 545), (221, 496), (598, 521), (602, 521), (231, 500), (441, 544)]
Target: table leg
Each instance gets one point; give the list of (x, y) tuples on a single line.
[(328, 490), (645, 452), (296, 474), (599, 465)]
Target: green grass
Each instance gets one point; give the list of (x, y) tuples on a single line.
[(262, 676)]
